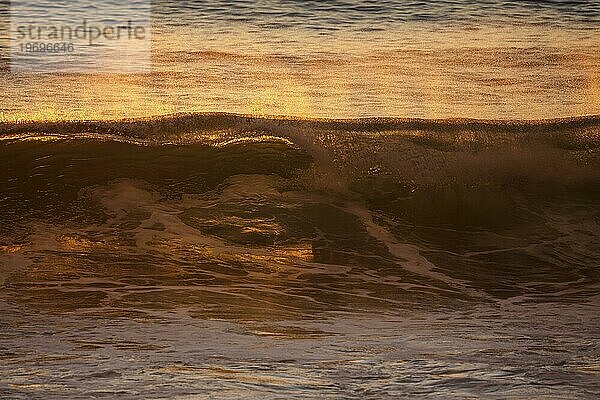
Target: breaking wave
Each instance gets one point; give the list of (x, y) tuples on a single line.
[(464, 209), (413, 152)]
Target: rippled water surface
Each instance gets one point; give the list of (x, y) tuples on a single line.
[(495, 352), (492, 59)]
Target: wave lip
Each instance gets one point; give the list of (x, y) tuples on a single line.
[(168, 125), (409, 152)]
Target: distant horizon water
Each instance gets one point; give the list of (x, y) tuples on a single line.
[(341, 59)]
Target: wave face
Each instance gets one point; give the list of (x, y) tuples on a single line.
[(448, 205), (419, 152)]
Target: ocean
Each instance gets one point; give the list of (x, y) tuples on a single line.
[(335, 59), (308, 200)]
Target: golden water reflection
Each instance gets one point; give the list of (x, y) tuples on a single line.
[(409, 71)]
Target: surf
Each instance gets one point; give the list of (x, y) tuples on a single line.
[(165, 126)]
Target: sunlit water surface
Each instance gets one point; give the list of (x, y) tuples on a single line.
[(221, 256), (492, 59)]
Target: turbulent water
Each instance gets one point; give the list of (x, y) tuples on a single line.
[(227, 255)]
